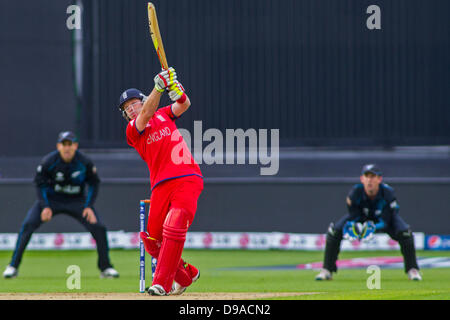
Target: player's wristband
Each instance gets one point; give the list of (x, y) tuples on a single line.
[(182, 99), (160, 91)]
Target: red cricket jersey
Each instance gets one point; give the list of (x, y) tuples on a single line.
[(163, 148)]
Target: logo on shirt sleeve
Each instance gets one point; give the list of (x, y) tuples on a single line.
[(394, 205), (160, 117)]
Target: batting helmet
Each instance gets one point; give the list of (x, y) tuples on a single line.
[(129, 94)]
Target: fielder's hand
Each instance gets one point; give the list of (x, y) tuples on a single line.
[(350, 231), (176, 91), (89, 214), (46, 214), (368, 231), (165, 79)]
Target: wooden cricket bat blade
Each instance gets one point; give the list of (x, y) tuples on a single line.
[(156, 35)]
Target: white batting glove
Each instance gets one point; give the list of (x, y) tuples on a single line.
[(165, 79), (176, 91)]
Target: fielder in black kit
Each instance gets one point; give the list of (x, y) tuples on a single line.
[(372, 207), (60, 181)]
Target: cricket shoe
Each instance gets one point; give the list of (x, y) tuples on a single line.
[(413, 274), (156, 290), (10, 272), (109, 273), (324, 274), (177, 289)]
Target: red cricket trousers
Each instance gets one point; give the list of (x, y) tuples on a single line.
[(180, 193)]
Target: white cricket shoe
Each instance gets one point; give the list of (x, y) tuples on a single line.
[(109, 273), (413, 274), (177, 289), (157, 290), (10, 272), (324, 274)]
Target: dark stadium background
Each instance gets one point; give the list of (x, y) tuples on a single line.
[(340, 94)]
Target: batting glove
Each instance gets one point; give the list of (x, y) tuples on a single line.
[(176, 91), (350, 232), (164, 79), (368, 231)]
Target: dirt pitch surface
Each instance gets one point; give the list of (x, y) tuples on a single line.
[(145, 296)]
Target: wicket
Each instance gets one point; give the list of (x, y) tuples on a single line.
[(142, 204)]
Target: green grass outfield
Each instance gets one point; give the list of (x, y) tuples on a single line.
[(45, 272)]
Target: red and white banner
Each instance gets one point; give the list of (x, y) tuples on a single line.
[(206, 240)]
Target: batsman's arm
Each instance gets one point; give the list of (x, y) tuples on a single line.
[(163, 80), (180, 106), (181, 101), (148, 110)]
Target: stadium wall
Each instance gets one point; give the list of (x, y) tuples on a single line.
[(36, 83), (310, 68), (297, 207), (340, 73)]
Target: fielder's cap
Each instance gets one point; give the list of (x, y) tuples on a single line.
[(129, 94), (372, 168), (67, 135)]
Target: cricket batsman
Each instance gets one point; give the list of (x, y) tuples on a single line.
[(175, 178)]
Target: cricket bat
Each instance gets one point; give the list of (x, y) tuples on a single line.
[(156, 36)]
